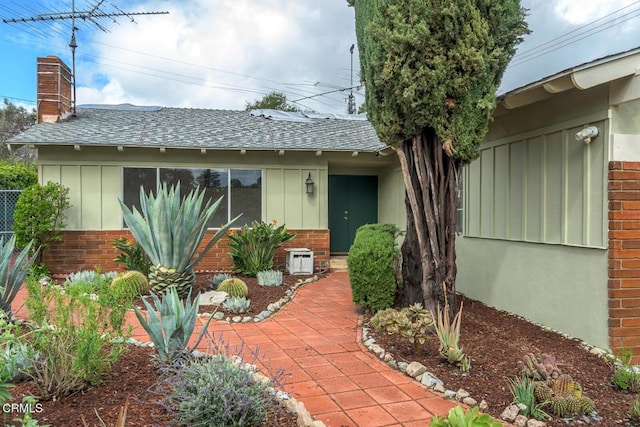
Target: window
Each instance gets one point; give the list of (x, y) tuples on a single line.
[(240, 189)]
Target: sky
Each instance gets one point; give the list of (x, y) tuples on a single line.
[(224, 53)]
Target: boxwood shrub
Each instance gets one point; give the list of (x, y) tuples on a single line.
[(372, 266)]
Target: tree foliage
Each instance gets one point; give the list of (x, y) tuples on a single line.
[(13, 120), (435, 64), (432, 68), (40, 215), (272, 101), (17, 176)]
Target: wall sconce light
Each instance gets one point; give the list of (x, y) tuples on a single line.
[(587, 134), (309, 183)]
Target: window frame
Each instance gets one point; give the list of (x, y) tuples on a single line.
[(228, 200)]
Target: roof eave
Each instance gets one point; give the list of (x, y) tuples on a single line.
[(582, 77)]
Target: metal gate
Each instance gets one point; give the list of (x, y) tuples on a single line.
[(8, 200)]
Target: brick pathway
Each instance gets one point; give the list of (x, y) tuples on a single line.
[(316, 339)]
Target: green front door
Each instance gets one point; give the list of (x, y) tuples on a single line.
[(353, 201)]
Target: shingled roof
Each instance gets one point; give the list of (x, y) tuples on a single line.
[(130, 126)]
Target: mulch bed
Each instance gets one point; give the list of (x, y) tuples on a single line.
[(495, 341)]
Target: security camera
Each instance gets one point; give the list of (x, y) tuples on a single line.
[(587, 134)]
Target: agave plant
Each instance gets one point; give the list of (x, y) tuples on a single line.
[(170, 230), (13, 273), (170, 324)]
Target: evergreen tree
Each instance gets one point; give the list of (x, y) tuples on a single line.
[(431, 69)]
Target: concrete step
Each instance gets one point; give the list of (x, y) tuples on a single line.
[(338, 264)]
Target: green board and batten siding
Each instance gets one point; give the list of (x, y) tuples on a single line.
[(535, 230)]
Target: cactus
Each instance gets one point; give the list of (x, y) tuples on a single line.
[(234, 287), (133, 281), (541, 369), (269, 278), (217, 279), (237, 305), (563, 396)]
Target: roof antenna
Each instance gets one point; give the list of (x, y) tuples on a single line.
[(73, 45), (89, 17)]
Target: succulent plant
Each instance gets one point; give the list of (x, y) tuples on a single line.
[(234, 287), (413, 323), (89, 276), (269, 278), (133, 281), (169, 228), (217, 279), (170, 324), (237, 305), (563, 397), (540, 369)]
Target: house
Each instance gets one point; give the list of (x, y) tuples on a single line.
[(260, 162), (552, 205), (551, 208)]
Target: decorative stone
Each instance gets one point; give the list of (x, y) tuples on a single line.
[(521, 406), (510, 413), (470, 401), (368, 343), (461, 394), (213, 298), (236, 319), (388, 357), (415, 368), (535, 423), (449, 394), (484, 406), (218, 316), (377, 350), (403, 366), (430, 380), (393, 364), (264, 314), (520, 421), (246, 319), (439, 388)]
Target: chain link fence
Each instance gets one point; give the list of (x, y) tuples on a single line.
[(8, 200)]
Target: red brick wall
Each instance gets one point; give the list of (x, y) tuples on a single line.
[(80, 250), (624, 257)]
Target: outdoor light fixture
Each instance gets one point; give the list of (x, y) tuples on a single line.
[(587, 134), (309, 183)]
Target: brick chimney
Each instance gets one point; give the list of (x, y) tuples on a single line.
[(54, 89)]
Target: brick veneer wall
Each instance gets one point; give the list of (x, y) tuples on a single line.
[(80, 250), (624, 257)]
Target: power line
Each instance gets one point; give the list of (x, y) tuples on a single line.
[(581, 33)]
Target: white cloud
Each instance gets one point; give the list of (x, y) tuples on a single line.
[(578, 12), (223, 53)]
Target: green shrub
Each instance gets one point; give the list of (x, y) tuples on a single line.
[(17, 176), (40, 215), (253, 249), (372, 266), (214, 391), (132, 255), (78, 333)]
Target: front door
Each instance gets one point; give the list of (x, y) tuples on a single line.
[(353, 201)]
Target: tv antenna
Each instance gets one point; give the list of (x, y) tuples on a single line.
[(351, 104), (92, 16)]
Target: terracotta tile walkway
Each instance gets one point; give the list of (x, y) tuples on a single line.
[(316, 339)]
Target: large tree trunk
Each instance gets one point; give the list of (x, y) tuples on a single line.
[(428, 252)]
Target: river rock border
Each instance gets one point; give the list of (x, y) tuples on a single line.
[(305, 419), (511, 414), (272, 308)]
